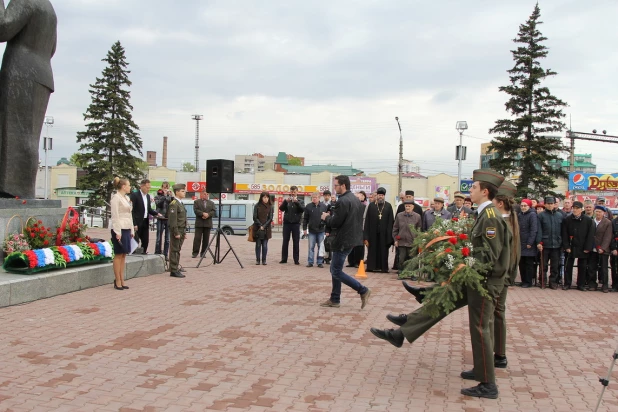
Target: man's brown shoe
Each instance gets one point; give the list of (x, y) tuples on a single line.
[(329, 304), (365, 298)]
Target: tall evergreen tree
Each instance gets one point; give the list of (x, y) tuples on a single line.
[(526, 143), (111, 139)]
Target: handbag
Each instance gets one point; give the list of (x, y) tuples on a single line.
[(250, 231)]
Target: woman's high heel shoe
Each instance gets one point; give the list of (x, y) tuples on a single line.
[(116, 287), (125, 287)]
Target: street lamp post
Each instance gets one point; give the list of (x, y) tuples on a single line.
[(400, 166), (461, 151), (197, 118), (47, 145)]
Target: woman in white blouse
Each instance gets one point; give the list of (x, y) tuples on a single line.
[(122, 229)]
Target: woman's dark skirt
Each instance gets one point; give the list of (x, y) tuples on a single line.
[(124, 245)]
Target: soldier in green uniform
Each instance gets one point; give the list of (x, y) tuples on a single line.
[(504, 203), (177, 215), (490, 242)]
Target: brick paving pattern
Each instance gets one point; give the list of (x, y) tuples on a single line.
[(255, 339)]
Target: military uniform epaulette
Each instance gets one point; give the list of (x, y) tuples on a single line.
[(490, 212), (173, 202)]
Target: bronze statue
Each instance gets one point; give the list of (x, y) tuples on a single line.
[(26, 82)]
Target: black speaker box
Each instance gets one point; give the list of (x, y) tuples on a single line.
[(220, 176)]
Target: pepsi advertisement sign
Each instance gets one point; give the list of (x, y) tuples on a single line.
[(593, 182)]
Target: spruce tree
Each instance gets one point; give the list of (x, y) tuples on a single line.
[(526, 142), (111, 140)]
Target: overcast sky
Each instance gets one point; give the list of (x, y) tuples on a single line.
[(325, 79)]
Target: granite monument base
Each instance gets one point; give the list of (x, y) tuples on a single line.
[(18, 289), (49, 212)]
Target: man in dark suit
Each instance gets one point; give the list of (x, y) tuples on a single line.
[(204, 211), (26, 82), (142, 209)]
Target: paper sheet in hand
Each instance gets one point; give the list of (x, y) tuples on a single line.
[(134, 245)]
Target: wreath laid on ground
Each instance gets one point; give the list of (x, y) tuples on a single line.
[(32, 250), (443, 256), (57, 257)]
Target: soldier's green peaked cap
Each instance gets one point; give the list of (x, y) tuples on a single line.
[(507, 189), (488, 176), (179, 186)]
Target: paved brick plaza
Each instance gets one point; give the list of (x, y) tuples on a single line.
[(255, 339)]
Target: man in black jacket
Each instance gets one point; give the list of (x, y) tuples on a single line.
[(314, 227), (577, 241), (549, 241), (293, 209), (163, 200), (346, 226), (142, 209), (204, 210)]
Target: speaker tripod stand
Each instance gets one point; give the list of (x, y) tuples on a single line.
[(216, 255)]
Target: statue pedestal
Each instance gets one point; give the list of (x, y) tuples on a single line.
[(49, 212)]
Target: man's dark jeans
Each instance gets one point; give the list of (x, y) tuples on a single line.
[(553, 255), (294, 229), (163, 229), (336, 271)]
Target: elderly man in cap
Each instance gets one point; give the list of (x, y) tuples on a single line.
[(402, 233), (457, 208), (549, 241), (491, 245), (430, 215), (602, 202), (177, 215), (597, 263), (577, 242), (409, 195), (378, 232)]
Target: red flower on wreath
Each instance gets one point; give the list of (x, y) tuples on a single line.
[(465, 251), (453, 240), (95, 249), (463, 236), (46, 242), (64, 253), (450, 233), (32, 259), (455, 219), (32, 235), (448, 250)]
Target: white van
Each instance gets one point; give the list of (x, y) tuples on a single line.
[(236, 215)]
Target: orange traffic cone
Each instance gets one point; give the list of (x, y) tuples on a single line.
[(361, 271)]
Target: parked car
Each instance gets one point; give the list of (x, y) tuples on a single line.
[(236, 215)]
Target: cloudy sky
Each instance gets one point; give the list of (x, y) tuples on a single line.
[(325, 79)]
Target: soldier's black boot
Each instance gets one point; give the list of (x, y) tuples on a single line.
[(469, 375), (500, 361), (393, 336), (482, 390), (398, 320), (416, 291)]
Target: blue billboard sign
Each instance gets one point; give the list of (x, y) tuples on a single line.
[(465, 186)]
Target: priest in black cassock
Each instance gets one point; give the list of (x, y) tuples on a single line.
[(378, 233)]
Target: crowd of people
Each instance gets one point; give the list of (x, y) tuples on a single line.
[(508, 237), (554, 240)]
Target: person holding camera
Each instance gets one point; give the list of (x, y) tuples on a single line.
[(314, 227), (162, 202), (293, 209)]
